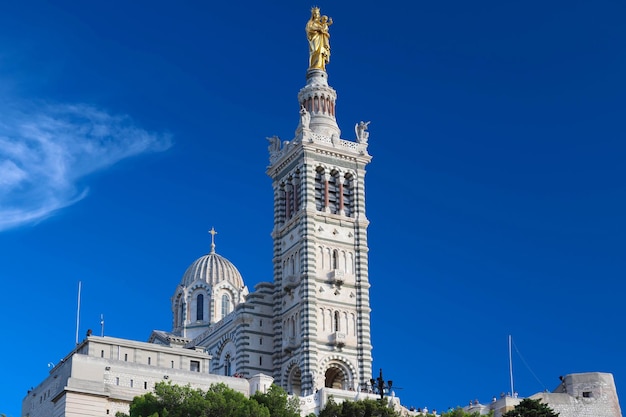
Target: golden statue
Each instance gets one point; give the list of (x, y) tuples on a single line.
[(319, 39)]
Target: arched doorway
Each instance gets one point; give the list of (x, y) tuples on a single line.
[(335, 378), (294, 381)]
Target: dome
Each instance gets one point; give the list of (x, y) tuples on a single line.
[(212, 269)]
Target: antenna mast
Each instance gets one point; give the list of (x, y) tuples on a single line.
[(511, 366), (78, 311)]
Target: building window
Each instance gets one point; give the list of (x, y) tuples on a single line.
[(320, 189), (194, 366), (587, 394), (126, 357), (260, 360), (132, 383), (200, 307), (117, 380), (348, 196), (227, 365), (291, 195), (225, 305), (149, 360), (172, 364), (333, 194), (288, 201), (296, 191), (102, 353), (336, 321), (145, 384), (260, 340)]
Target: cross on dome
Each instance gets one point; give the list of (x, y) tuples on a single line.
[(212, 232)]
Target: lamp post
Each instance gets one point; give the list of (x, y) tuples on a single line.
[(380, 384)]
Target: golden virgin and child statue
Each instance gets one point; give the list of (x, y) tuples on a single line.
[(319, 39)]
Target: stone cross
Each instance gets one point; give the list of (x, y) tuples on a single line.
[(212, 232)]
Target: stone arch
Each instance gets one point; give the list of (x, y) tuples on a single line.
[(333, 196), (178, 303), (348, 194), (219, 291), (293, 376), (337, 372), (320, 188), (199, 285), (199, 312), (199, 306), (224, 362)]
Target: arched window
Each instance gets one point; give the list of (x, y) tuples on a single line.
[(335, 260), (333, 194), (337, 318), (282, 201), (320, 189), (289, 200), (348, 196), (225, 305), (296, 191), (200, 307), (227, 365)]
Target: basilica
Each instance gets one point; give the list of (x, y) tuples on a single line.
[(308, 330), (310, 327)]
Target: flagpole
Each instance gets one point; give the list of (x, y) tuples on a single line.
[(511, 366), (78, 311)]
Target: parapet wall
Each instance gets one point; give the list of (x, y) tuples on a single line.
[(591, 394)]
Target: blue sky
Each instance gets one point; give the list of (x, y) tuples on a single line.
[(496, 193)]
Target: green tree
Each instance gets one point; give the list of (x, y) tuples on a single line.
[(225, 402), (170, 400), (361, 408), (531, 408), (278, 402), (331, 409), (459, 412)]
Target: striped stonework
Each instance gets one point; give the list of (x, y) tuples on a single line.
[(321, 286)]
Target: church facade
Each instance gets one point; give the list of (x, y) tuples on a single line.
[(310, 327)]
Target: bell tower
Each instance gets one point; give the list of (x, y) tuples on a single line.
[(321, 285)]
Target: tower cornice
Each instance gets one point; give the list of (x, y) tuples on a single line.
[(320, 144)]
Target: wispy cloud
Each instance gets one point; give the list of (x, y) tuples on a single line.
[(45, 149)]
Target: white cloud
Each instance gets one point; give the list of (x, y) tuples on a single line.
[(45, 150)]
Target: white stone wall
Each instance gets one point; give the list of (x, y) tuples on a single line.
[(591, 394), (38, 401), (87, 384)]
